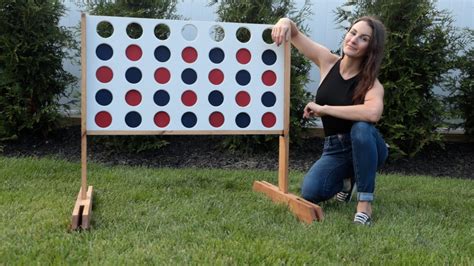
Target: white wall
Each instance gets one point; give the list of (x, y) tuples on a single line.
[(323, 28)]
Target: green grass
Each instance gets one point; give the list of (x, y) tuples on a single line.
[(211, 216)]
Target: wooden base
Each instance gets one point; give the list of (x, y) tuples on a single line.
[(81, 215), (305, 211)]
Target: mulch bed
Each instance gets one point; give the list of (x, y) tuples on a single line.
[(453, 160)]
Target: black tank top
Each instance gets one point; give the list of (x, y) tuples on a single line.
[(334, 90)]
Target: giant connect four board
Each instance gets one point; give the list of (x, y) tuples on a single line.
[(158, 76)]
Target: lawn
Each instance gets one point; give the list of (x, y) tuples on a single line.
[(211, 216)]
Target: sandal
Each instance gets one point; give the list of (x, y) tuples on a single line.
[(346, 194), (362, 218)]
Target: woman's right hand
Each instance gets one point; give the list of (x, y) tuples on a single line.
[(281, 31)]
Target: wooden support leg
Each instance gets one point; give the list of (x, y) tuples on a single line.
[(81, 215), (305, 211)]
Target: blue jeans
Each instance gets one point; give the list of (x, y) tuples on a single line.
[(358, 154)]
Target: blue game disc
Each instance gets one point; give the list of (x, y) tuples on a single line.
[(268, 99), (216, 55), (269, 57), (189, 119), (133, 119), (162, 53), (103, 97), (189, 76), (242, 120), (104, 51), (242, 77), (133, 75), (216, 98), (161, 98)]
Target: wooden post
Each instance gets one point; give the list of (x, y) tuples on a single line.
[(82, 211), (83, 157), (305, 211), (283, 164), (285, 138)]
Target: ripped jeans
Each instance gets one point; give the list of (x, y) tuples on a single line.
[(358, 154)]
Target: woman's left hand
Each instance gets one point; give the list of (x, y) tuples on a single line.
[(313, 109)]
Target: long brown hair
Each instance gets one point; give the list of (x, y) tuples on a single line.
[(370, 66)]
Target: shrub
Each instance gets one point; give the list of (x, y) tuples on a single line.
[(162, 9), (32, 78), (421, 45), (269, 12), (460, 84)]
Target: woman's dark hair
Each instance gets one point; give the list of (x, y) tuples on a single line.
[(373, 59)]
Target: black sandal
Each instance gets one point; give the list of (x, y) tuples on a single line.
[(362, 218), (346, 194)]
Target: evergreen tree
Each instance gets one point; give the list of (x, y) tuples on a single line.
[(460, 85), (32, 78), (163, 9)]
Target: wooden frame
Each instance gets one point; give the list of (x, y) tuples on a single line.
[(82, 212), (188, 132), (304, 210)]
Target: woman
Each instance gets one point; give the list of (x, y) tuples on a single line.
[(349, 102)]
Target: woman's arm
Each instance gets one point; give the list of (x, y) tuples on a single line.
[(370, 111), (317, 53)]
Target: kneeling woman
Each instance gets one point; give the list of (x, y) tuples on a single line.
[(349, 101)]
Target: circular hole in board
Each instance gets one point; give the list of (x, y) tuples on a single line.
[(134, 30), (162, 31), (216, 33), (189, 32), (267, 36), (243, 35), (105, 29)]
